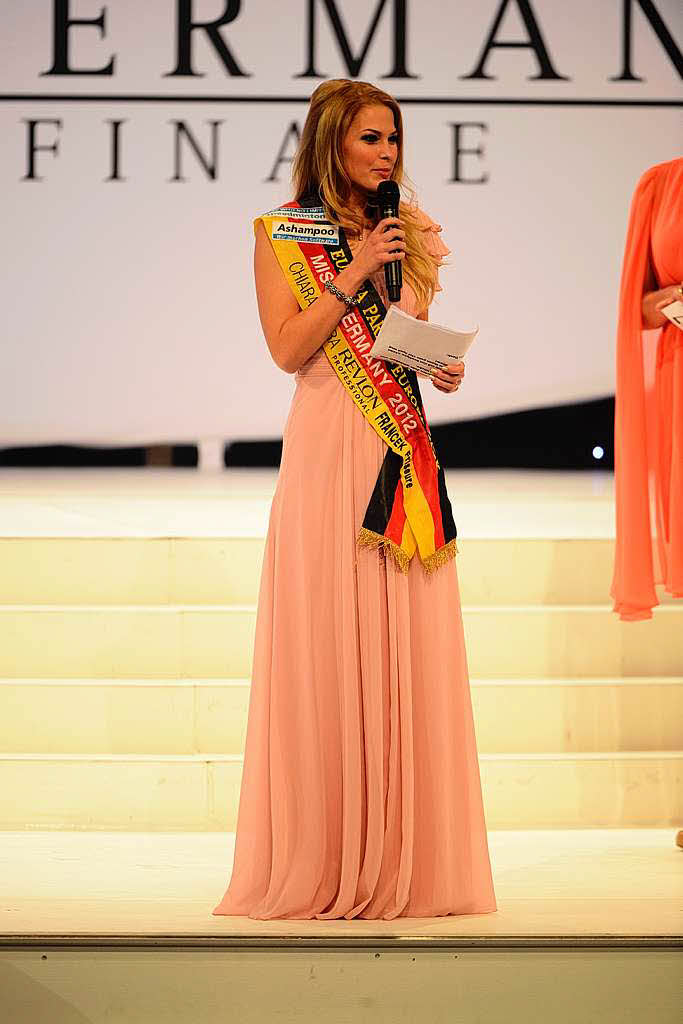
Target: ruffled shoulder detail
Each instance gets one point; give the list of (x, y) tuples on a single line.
[(434, 244)]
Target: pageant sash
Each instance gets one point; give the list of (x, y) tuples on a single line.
[(409, 508)]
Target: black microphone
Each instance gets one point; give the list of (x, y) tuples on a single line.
[(388, 197)]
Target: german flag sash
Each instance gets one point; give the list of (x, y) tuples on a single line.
[(409, 508)]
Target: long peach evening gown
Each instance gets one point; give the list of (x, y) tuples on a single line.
[(361, 793), (648, 423)]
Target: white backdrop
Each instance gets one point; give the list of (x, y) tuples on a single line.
[(128, 306)]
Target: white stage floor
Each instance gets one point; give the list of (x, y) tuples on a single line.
[(570, 885)]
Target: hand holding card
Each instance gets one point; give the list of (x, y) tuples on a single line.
[(419, 344)]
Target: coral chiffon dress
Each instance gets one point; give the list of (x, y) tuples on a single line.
[(361, 793), (648, 427)]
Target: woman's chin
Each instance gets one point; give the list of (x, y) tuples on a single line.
[(371, 187)]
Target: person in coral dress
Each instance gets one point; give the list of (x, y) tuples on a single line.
[(361, 792), (648, 424)]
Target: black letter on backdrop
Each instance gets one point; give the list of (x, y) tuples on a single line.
[(60, 42), (33, 149), (662, 33), (459, 151), (292, 132), (181, 129), (115, 176), (535, 43), (186, 26), (355, 64)]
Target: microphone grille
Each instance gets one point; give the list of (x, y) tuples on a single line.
[(388, 192)]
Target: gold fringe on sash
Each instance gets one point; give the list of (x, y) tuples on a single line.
[(369, 539), (440, 557)]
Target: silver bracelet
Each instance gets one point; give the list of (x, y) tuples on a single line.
[(348, 300)]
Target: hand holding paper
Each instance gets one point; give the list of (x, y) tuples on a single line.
[(418, 344)]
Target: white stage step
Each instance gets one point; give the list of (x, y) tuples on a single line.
[(226, 570), (196, 716), (163, 792), (154, 641)]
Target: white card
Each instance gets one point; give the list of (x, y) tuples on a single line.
[(419, 344), (673, 312)]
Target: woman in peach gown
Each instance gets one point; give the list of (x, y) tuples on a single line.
[(361, 793), (648, 428)]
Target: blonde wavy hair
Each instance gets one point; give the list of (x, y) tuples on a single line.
[(318, 168)]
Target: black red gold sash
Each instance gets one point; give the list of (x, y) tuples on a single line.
[(409, 508)]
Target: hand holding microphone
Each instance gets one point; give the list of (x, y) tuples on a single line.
[(385, 245), (388, 198), (381, 246)]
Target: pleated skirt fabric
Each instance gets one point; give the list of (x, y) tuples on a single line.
[(361, 792), (648, 427)]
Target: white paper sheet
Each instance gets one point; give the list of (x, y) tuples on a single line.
[(419, 344), (674, 312)]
